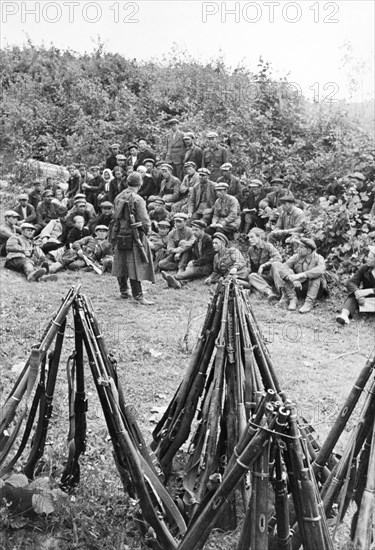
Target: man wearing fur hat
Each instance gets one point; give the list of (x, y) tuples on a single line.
[(132, 255)]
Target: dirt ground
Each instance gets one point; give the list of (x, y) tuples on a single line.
[(317, 362)]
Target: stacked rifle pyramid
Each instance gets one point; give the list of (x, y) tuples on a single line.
[(252, 464)]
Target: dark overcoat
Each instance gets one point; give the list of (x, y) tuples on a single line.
[(128, 263)]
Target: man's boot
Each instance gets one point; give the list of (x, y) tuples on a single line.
[(171, 281), (292, 297), (307, 306), (343, 318), (55, 267), (48, 277), (144, 302), (36, 274), (124, 288)]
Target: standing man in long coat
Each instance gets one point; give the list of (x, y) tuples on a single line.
[(132, 254), (175, 149)]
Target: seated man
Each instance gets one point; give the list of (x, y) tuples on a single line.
[(78, 231), (105, 218), (290, 222), (262, 256), (226, 217), (227, 260), (150, 180), (234, 184), (191, 178), (25, 257), (202, 198), (303, 272), (365, 278), (55, 233), (81, 208), (159, 213), (180, 239), (95, 187), (45, 211), (26, 211), (252, 195), (8, 228), (158, 240), (200, 257), (169, 187), (97, 249)]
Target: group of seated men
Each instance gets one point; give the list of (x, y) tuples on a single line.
[(197, 207)]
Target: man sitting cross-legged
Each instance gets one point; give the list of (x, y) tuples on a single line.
[(200, 257), (180, 240)]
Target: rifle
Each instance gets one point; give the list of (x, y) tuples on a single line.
[(199, 531), (45, 407), (179, 425), (178, 401), (344, 415), (155, 502), (91, 263), (362, 537), (78, 409), (26, 379), (136, 227)]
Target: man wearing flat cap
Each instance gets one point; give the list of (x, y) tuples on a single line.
[(159, 213), (150, 180), (111, 161), (105, 218), (291, 221), (144, 152), (94, 187), (202, 198), (8, 228), (169, 187), (175, 148), (214, 155), (193, 153), (158, 240), (24, 256), (191, 178), (271, 201), (227, 213), (302, 274), (252, 194), (26, 211), (228, 260), (234, 184), (81, 208), (180, 241), (45, 211)]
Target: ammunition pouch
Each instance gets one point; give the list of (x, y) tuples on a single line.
[(124, 241)]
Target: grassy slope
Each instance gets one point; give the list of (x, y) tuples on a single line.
[(151, 346)]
